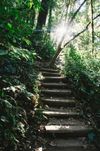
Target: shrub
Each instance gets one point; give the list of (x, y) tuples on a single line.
[(84, 74), (43, 45), (18, 97)]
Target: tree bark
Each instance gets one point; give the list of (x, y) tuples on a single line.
[(50, 17), (42, 14), (92, 26)]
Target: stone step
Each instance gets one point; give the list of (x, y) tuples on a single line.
[(56, 74), (59, 102), (54, 79), (63, 114), (56, 92), (55, 85), (49, 70), (78, 130)]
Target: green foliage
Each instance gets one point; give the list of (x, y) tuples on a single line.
[(17, 21), (83, 71), (22, 54), (12, 123), (44, 46), (17, 26), (17, 101)]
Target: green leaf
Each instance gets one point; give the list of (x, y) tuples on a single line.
[(3, 119), (9, 25), (8, 104), (3, 52), (27, 41), (30, 4)]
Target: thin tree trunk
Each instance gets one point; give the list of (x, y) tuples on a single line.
[(92, 26), (87, 20)]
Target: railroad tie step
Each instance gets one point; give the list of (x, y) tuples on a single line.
[(67, 121), (54, 79), (69, 149), (55, 85), (79, 130), (56, 92), (63, 114), (49, 70), (59, 102), (45, 73), (70, 144)]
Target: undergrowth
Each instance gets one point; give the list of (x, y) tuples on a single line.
[(18, 98), (43, 45), (83, 70)]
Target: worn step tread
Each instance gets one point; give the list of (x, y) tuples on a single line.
[(57, 100), (60, 76), (50, 73), (80, 129), (61, 113), (56, 92), (69, 149), (53, 77), (65, 143), (49, 79), (62, 109), (68, 121), (49, 70), (54, 85)]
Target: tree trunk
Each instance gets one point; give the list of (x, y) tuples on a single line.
[(88, 32), (56, 55), (42, 14), (50, 18)]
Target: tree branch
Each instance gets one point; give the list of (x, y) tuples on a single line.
[(81, 31), (59, 49), (77, 11), (76, 36), (96, 17)]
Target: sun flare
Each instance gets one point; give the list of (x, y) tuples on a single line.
[(64, 32), (59, 32)]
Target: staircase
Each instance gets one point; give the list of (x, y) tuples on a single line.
[(65, 129)]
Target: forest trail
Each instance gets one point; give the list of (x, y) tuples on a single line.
[(65, 128)]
